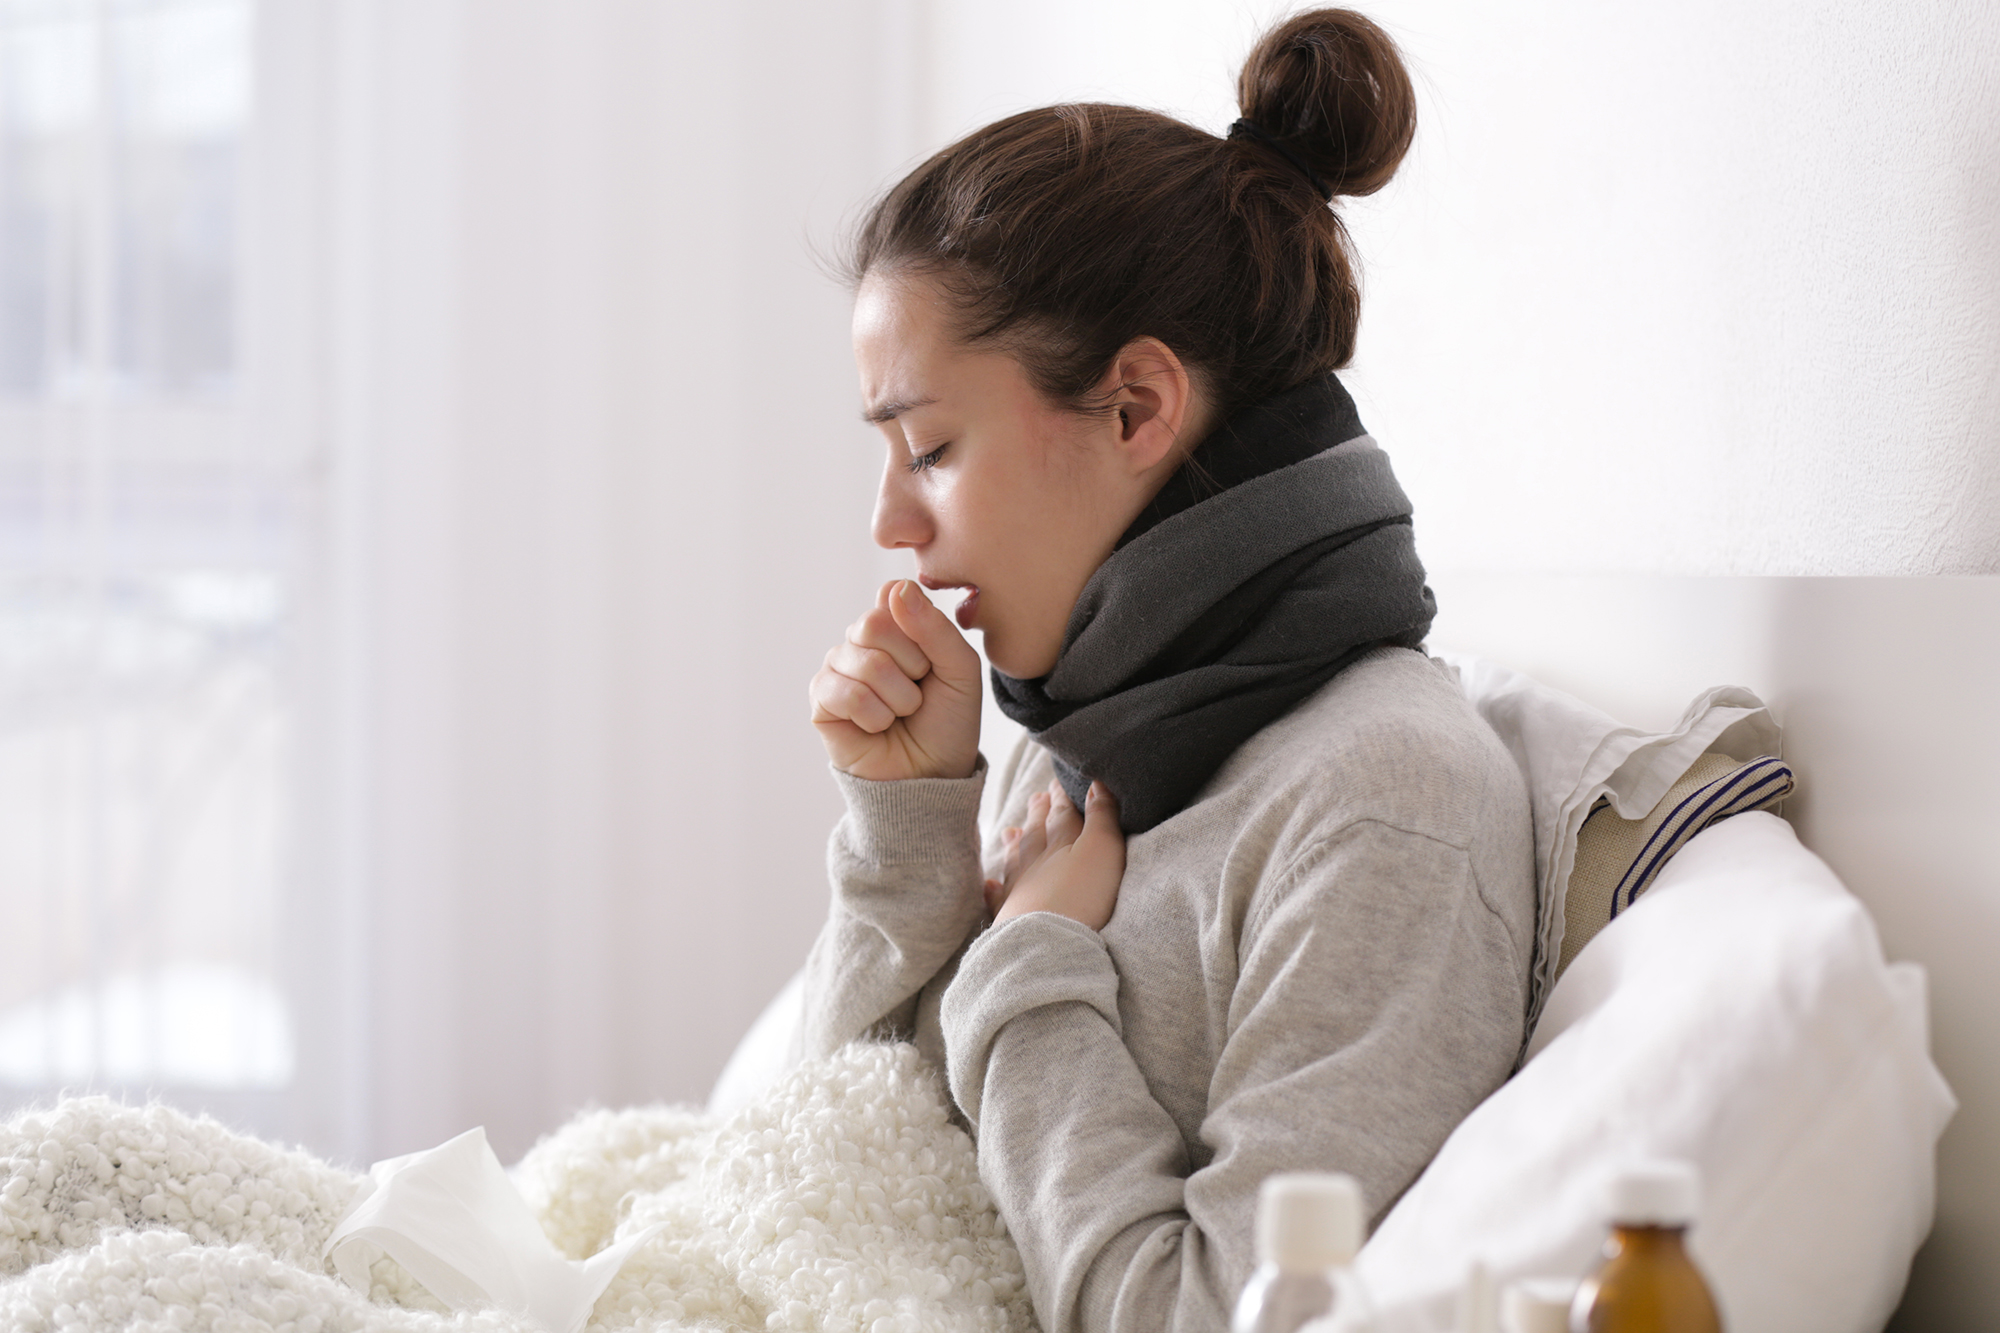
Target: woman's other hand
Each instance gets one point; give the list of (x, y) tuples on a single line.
[(1063, 861), (899, 698)]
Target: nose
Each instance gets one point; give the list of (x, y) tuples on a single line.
[(901, 520)]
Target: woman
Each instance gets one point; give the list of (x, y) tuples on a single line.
[(1262, 895)]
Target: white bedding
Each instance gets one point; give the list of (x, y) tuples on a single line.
[(842, 1199)]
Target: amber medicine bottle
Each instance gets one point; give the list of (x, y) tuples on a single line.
[(1648, 1283)]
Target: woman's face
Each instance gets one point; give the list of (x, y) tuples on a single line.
[(990, 487)]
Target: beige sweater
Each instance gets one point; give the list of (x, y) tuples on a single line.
[(1320, 964)]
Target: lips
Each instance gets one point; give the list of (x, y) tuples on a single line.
[(968, 607)]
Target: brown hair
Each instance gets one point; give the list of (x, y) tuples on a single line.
[(1064, 233)]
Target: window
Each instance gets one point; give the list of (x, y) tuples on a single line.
[(147, 557)]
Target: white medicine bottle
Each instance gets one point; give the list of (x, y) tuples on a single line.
[(1308, 1231)]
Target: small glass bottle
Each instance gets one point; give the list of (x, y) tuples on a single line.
[(1647, 1282), (1308, 1229)]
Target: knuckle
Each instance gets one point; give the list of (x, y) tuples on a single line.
[(833, 698), (876, 663), (849, 698), (873, 627)]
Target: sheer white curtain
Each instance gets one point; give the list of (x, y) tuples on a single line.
[(599, 502)]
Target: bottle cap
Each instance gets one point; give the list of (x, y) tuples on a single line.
[(1537, 1305), (1655, 1194), (1308, 1221)]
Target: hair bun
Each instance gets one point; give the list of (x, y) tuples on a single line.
[(1333, 87)]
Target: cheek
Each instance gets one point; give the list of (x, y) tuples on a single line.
[(1020, 526), (1041, 483), (987, 504), (1018, 509)]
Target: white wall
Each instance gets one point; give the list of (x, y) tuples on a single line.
[(1689, 288)]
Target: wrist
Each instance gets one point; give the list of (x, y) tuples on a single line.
[(1025, 905), (908, 764), (911, 819)]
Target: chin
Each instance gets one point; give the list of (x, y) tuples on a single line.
[(998, 663), (995, 647), (1004, 650), (1009, 663)]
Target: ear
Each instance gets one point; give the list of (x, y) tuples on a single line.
[(1155, 401)]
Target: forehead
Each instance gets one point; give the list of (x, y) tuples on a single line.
[(902, 338), (899, 304), (909, 354)]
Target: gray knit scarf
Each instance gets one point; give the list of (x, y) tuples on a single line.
[(1277, 555)]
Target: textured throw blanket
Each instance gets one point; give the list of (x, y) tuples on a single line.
[(1277, 555), (843, 1199)]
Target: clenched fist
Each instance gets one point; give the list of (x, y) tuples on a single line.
[(899, 698)]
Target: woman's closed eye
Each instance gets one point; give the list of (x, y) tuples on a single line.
[(929, 460)]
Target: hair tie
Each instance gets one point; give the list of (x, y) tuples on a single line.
[(1249, 129)]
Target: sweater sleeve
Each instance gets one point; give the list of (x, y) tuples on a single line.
[(906, 878), (1378, 1000)]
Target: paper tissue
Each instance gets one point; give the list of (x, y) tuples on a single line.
[(452, 1218)]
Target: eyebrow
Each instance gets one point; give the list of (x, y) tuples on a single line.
[(892, 409)]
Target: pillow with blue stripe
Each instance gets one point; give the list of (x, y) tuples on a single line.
[(1616, 859)]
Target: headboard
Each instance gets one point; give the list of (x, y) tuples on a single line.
[(1889, 695)]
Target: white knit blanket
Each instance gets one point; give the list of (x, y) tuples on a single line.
[(844, 1199)]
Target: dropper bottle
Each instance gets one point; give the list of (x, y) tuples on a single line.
[(1647, 1282), (1308, 1230)]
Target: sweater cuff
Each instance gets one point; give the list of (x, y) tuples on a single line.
[(1024, 963), (913, 820)]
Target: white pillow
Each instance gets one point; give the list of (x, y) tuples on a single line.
[(1571, 755), (772, 1048), (1741, 1016)]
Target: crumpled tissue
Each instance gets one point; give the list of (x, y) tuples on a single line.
[(452, 1218)]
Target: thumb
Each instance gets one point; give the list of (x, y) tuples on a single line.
[(953, 661)]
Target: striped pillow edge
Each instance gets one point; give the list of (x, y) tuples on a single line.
[(1762, 782)]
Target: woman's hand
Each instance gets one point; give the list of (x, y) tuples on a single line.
[(900, 697), (1063, 861)]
